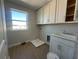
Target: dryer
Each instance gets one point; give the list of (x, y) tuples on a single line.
[(63, 45)]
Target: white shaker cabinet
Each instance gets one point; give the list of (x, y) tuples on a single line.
[(58, 11), (46, 13), (61, 11), (52, 11), (40, 16)]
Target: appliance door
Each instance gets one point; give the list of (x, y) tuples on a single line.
[(63, 48)]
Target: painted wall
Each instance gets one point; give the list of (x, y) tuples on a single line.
[(57, 28), (21, 35)]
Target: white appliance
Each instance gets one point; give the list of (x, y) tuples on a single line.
[(63, 45)]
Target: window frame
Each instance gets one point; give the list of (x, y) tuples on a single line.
[(26, 21)]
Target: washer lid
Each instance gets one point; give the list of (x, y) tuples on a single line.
[(66, 36)]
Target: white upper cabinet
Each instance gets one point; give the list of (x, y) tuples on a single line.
[(52, 11), (46, 13), (40, 16), (61, 11), (58, 11)]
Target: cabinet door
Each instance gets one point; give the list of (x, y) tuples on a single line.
[(40, 16), (61, 11), (46, 13), (52, 11)]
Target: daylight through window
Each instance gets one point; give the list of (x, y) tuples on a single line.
[(19, 19)]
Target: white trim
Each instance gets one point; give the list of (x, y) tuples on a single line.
[(16, 44)]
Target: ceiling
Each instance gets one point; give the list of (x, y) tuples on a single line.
[(34, 4)]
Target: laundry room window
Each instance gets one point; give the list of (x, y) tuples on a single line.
[(19, 19)]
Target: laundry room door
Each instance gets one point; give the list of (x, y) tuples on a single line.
[(3, 38)]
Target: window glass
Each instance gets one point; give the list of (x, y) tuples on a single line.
[(19, 19)]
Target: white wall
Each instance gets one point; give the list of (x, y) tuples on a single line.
[(22, 35), (57, 28)]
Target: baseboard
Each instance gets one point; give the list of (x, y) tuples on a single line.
[(16, 44)]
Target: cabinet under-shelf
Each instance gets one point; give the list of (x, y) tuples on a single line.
[(70, 10), (70, 15), (72, 5), (70, 2), (69, 18)]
